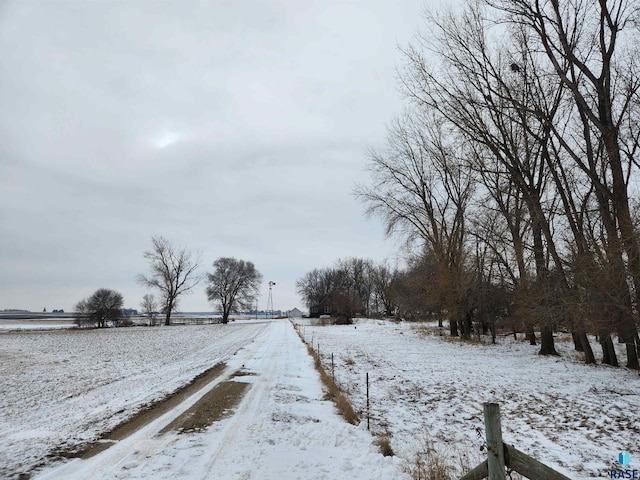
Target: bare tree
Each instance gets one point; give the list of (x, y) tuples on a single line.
[(590, 45), (319, 286), (313, 287), (343, 290), (416, 292), (103, 306), (422, 189), (487, 92), (173, 272), (149, 307), (234, 285), (358, 276), (382, 278)]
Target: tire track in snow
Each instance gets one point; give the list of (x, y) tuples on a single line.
[(140, 445), (264, 367), (282, 428)]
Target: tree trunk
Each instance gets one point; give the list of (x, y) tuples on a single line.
[(547, 346), (632, 356), (493, 331), (576, 341), (585, 346), (167, 319), (620, 197), (468, 324), (608, 350), (463, 334), (465, 331), (531, 333), (453, 328), (629, 333)]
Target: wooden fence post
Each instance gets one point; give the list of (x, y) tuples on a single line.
[(500, 455), (495, 448)]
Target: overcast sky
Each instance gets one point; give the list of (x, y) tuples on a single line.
[(231, 128)]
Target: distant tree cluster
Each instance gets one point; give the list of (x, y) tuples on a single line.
[(233, 286), (353, 286), (513, 171), (101, 309)]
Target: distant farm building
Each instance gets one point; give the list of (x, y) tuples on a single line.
[(322, 308), (295, 313)]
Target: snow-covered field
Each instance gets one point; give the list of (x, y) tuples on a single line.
[(63, 388), (571, 416), (282, 429), (35, 324)]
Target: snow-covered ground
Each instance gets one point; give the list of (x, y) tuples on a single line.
[(36, 324), (571, 416), (64, 388), (282, 429)]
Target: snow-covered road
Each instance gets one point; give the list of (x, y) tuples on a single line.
[(281, 429)]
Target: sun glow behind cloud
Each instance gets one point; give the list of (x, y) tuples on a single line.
[(165, 139)]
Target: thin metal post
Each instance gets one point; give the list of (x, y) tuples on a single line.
[(368, 416)]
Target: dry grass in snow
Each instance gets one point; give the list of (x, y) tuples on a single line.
[(571, 416)]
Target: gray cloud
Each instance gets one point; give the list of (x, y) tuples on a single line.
[(233, 128)]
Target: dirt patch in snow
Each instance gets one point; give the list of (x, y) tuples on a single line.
[(213, 406), (147, 414)]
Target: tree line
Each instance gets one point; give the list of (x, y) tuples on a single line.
[(512, 173), (233, 286), (352, 286)]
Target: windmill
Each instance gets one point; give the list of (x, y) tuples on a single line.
[(270, 299)]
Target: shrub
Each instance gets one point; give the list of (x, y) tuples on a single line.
[(383, 442), (429, 464)]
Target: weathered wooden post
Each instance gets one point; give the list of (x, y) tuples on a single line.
[(495, 447), (500, 455)]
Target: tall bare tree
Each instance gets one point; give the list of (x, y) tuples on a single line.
[(358, 272), (422, 190), (233, 285), (492, 87), (591, 47), (382, 279), (173, 273)]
